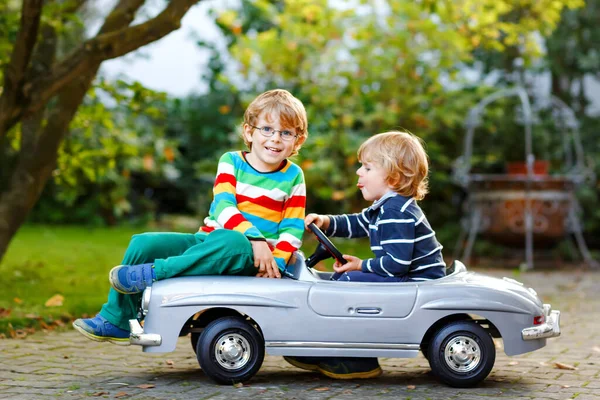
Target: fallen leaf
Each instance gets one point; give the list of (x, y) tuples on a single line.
[(564, 366), (145, 386), (55, 301), (565, 386), (411, 387), (121, 394), (596, 349), (170, 362), (17, 300), (32, 316), (98, 394), (322, 389), (65, 357), (4, 312), (347, 391), (513, 363), (238, 385)]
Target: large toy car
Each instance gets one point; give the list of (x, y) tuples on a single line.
[(234, 320)]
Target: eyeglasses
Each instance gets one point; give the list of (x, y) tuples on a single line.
[(267, 131)]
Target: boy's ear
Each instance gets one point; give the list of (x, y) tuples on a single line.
[(301, 140), (247, 132), (393, 181)]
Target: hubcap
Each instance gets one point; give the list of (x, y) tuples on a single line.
[(232, 351), (462, 354)]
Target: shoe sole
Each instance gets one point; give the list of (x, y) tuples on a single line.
[(301, 365), (354, 375), (113, 285), (117, 341)]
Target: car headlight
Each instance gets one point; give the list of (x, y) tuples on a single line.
[(146, 299)]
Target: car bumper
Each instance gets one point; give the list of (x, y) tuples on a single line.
[(137, 335), (549, 329)]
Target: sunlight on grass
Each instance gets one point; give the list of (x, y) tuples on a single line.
[(43, 261)]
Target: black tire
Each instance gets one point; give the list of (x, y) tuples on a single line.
[(461, 354), (194, 339), (247, 350)]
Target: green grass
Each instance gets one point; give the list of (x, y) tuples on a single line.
[(43, 261), (72, 261)]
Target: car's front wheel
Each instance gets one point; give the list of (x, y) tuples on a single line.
[(461, 354), (230, 350)]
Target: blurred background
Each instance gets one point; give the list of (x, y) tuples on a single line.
[(139, 151)]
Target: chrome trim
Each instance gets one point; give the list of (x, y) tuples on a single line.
[(334, 345), (137, 335), (146, 300), (549, 329)]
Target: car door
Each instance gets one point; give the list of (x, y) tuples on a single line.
[(362, 311)]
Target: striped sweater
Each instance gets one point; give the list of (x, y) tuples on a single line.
[(401, 238), (263, 206)]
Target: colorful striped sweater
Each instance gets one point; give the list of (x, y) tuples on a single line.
[(401, 238), (263, 206)]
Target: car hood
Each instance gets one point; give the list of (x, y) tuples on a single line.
[(502, 285)]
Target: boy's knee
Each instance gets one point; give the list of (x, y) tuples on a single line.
[(140, 240), (232, 239)]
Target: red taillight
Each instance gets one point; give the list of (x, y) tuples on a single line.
[(538, 320)]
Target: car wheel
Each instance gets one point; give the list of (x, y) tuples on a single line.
[(230, 350), (194, 339), (461, 354)]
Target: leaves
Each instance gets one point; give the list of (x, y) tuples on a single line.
[(55, 301), (564, 366), (145, 386)]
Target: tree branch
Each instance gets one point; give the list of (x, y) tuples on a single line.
[(121, 15), (103, 47), (14, 73)]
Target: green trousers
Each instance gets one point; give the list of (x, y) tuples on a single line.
[(221, 252)]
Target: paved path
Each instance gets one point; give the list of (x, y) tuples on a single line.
[(66, 365)]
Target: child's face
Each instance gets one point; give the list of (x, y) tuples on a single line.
[(372, 181), (268, 152)]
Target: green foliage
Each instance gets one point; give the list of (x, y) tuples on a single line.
[(372, 68), (116, 137)]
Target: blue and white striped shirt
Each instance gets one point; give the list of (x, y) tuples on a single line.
[(401, 238)]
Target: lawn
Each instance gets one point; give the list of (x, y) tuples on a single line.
[(44, 261), (73, 263)]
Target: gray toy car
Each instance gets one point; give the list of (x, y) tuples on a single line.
[(234, 320)]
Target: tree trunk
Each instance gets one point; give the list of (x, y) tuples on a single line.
[(26, 101)]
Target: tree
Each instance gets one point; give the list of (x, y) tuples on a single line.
[(394, 64), (42, 88)]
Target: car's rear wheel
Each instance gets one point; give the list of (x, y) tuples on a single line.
[(230, 350), (461, 354)]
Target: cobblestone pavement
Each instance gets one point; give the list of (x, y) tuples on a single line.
[(70, 366)]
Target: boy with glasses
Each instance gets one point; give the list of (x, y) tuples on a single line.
[(255, 221)]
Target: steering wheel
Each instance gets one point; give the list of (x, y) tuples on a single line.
[(324, 250)]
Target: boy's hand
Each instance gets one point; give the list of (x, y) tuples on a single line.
[(321, 221), (264, 261), (353, 264)]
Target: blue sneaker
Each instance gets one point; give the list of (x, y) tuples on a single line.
[(100, 330), (130, 279), (307, 363), (350, 367)]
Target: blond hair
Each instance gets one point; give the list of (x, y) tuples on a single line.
[(403, 157), (279, 103)]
